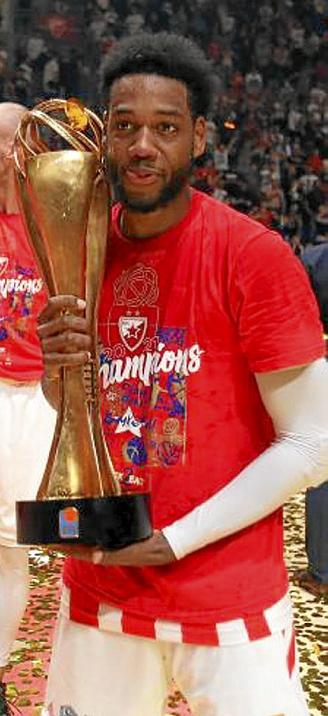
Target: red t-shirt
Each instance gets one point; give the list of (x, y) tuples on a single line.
[(186, 319), (22, 297)]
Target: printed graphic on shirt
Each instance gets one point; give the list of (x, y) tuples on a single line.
[(19, 286), (143, 373)]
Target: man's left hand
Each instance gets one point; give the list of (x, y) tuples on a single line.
[(152, 552)]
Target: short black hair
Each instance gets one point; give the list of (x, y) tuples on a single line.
[(168, 55)]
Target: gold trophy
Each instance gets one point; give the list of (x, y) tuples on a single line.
[(64, 202)]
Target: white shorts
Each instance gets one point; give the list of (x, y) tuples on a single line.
[(98, 673), (27, 424)]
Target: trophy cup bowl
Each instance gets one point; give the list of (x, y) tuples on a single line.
[(64, 202)]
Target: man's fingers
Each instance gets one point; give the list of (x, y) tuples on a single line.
[(87, 554), (64, 322), (69, 342), (63, 334), (57, 304)]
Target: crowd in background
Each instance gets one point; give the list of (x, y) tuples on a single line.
[(268, 136)]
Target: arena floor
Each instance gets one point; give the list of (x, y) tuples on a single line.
[(27, 673)]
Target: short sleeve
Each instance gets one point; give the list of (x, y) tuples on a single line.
[(274, 306)]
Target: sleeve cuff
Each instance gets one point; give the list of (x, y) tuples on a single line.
[(171, 534)]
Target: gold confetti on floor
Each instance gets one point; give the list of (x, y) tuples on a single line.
[(29, 662), (311, 615)]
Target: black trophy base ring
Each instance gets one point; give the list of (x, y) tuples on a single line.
[(108, 522)]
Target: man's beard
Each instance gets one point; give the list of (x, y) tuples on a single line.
[(170, 191)]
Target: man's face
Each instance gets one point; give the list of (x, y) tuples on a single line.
[(151, 140)]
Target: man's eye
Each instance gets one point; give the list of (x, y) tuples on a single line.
[(123, 125), (167, 128)]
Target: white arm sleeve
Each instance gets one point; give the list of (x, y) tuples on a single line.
[(297, 401)]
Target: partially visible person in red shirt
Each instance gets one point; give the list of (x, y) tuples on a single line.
[(26, 420)]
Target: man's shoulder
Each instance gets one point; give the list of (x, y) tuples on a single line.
[(232, 226)]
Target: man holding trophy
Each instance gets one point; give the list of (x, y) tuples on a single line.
[(211, 387)]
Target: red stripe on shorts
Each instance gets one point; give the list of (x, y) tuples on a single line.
[(77, 611), (206, 635), (138, 626), (291, 656), (257, 627)]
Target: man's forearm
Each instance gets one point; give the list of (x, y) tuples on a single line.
[(297, 402), (263, 486)]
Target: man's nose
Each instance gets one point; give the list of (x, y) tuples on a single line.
[(143, 145)]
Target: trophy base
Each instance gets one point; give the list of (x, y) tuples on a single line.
[(109, 522)]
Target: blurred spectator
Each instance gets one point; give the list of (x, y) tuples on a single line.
[(269, 129)]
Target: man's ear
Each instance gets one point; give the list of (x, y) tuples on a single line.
[(200, 137)]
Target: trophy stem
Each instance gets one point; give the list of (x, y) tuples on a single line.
[(74, 471)]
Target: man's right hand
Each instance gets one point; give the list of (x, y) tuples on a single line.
[(63, 332)]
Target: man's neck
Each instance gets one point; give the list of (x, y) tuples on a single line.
[(141, 226)]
